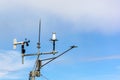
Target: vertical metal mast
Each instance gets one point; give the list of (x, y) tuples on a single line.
[(39, 34), (38, 54)]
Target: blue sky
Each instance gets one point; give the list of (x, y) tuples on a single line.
[(92, 25)]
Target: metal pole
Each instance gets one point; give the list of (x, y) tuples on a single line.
[(58, 55), (32, 78)]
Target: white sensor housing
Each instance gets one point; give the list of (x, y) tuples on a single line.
[(15, 43), (54, 36)]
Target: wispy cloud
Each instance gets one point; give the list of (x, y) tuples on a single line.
[(92, 59), (10, 62)]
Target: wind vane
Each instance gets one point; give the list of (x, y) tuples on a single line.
[(38, 64)]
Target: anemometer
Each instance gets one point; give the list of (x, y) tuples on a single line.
[(38, 64)]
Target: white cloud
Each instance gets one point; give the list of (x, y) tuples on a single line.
[(10, 62), (91, 59), (70, 8), (86, 15)]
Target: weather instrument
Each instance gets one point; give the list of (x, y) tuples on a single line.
[(38, 63), (22, 43)]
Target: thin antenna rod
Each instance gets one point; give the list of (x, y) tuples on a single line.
[(39, 34), (39, 30)]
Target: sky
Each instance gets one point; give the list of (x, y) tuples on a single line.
[(92, 25)]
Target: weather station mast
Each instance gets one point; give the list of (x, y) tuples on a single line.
[(38, 63)]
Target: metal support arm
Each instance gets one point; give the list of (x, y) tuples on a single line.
[(51, 59)]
